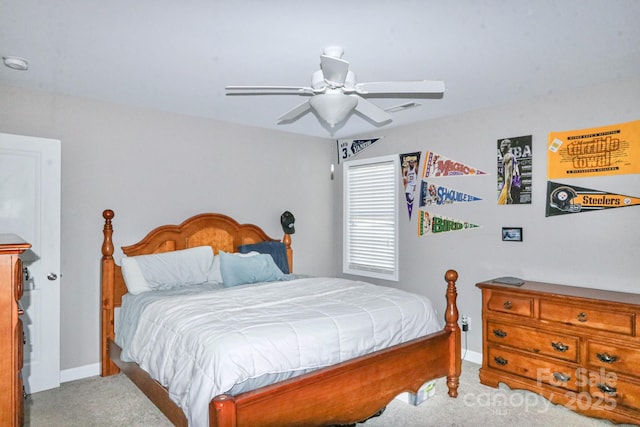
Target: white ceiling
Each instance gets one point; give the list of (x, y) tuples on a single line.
[(178, 56)]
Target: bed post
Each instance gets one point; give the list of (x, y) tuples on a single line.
[(286, 239), (107, 283), (222, 411), (451, 318)]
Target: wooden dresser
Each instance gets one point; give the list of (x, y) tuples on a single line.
[(11, 336), (578, 347)]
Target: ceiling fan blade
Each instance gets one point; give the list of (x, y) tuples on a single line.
[(272, 89), (410, 86), (334, 70), (372, 111), (294, 113)]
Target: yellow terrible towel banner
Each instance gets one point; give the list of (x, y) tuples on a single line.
[(601, 151)]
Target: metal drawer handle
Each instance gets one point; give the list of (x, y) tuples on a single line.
[(500, 361), (606, 357), (607, 389), (507, 305), (559, 376), (499, 333), (558, 346), (582, 317)]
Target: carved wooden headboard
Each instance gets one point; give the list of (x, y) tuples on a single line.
[(216, 230)]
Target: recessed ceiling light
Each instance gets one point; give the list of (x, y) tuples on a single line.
[(16, 63)]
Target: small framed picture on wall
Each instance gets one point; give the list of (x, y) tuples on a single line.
[(512, 234)]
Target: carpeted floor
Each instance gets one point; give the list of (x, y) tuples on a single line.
[(83, 403)]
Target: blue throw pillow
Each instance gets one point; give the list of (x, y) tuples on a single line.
[(277, 250), (237, 270)]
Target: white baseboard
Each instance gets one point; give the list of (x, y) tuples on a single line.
[(472, 356), (80, 373)]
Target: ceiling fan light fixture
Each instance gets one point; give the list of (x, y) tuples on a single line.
[(333, 107)]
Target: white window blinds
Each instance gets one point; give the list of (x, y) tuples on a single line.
[(370, 218)]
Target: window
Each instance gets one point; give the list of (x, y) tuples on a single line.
[(370, 233)]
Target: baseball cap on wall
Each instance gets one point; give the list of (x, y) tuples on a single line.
[(287, 220)]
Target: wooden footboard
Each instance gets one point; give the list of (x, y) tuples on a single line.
[(354, 390), (346, 393)]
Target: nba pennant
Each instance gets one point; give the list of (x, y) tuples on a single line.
[(430, 223), (565, 199), (432, 194), (436, 166), (410, 162), (350, 147)]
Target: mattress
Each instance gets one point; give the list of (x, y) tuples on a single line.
[(205, 340)]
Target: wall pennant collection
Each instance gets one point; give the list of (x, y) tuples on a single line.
[(430, 194), (592, 153), (433, 194)]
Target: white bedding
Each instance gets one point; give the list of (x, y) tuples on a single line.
[(200, 344)]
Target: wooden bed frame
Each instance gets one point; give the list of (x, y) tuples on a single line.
[(346, 393)]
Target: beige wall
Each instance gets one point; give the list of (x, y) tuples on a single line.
[(155, 168), (594, 249)]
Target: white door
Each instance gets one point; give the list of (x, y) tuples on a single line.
[(30, 208)]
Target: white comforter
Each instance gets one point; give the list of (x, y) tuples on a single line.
[(204, 344)]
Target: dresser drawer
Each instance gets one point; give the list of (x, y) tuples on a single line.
[(539, 370), (614, 391), (537, 341), (587, 316), (506, 303), (618, 358)]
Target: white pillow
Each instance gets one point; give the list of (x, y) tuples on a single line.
[(133, 278), (167, 270), (216, 274)]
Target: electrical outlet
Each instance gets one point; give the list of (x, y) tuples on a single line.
[(466, 320)]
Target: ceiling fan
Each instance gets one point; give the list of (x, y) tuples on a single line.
[(334, 93)]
